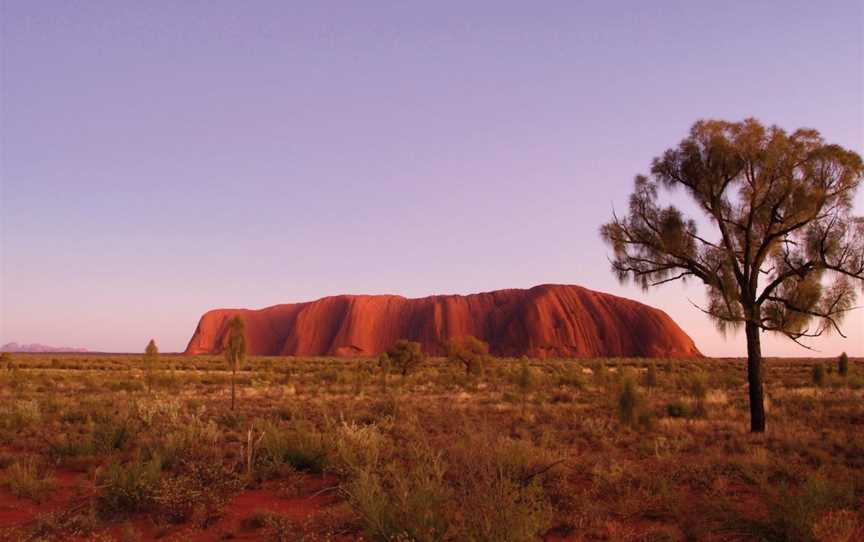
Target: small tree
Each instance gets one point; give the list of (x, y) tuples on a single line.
[(406, 355), (651, 376), (629, 401), (843, 365), (818, 374), (5, 360), (235, 350), (785, 250), (524, 381), (384, 365), (470, 351), (151, 357)]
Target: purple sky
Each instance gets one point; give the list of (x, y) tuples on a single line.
[(163, 158)]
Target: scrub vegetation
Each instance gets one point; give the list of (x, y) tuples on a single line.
[(470, 447)]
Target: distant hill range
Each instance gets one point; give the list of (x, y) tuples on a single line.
[(550, 320), (38, 348)]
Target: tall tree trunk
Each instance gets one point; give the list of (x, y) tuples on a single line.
[(754, 378)]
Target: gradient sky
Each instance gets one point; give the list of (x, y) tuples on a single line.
[(163, 158)]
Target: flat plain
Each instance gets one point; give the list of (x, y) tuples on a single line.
[(99, 447)]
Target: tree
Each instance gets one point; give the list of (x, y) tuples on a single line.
[(406, 355), (785, 251), (235, 349), (470, 351), (151, 356), (524, 380), (384, 364), (843, 364)]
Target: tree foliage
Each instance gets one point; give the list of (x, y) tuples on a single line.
[(786, 247), (151, 357), (405, 355), (785, 252), (469, 351), (235, 349)]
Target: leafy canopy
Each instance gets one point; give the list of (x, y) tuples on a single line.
[(235, 350), (785, 250)]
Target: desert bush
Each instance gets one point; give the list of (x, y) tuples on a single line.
[(600, 372), (28, 478), (357, 447), (818, 374), (195, 439), (297, 444), (570, 375), (198, 493), (795, 513), (677, 409), (128, 488), (403, 500), (500, 488), (384, 365), (111, 433), (406, 356), (650, 380), (843, 365), (470, 352), (629, 402), (839, 526), (524, 381)]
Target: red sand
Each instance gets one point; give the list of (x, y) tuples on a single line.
[(544, 321)]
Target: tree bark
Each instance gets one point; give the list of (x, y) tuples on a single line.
[(754, 378)]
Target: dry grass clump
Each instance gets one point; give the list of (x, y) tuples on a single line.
[(524, 449)]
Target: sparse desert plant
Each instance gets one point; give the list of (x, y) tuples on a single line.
[(795, 513), (128, 488), (629, 401), (470, 352), (406, 356), (404, 500), (151, 358), (818, 374), (297, 444), (600, 372), (235, 350), (28, 478), (5, 361), (384, 365), (677, 409), (524, 381), (650, 379), (843, 365), (839, 526)]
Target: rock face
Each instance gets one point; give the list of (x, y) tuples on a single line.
[(544, 321)]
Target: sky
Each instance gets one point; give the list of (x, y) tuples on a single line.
[(159, 159)]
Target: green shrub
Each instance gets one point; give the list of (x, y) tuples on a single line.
[(818, 375), (28, 478), (403, 500), (298, 444), (677, 409), (129, 488), (650, 380), (406, 356), (112, 434), (795, 512), (843, 365), (629, 402)]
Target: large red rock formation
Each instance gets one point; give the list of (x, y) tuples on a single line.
[(544, 321)]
